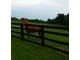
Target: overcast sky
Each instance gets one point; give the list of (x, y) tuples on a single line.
[(41, 9)]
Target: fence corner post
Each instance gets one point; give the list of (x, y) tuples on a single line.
[(22, 32)]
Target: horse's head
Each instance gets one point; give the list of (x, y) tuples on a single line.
[(24, 20)]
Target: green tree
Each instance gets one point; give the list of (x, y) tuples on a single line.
[(14, 18), (60, 19)]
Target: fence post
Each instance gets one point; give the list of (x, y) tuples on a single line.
[(42, 36), (22, 32)]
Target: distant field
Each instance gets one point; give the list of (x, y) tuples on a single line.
[(40, 23), (22, 50)]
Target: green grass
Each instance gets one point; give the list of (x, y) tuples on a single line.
[(57, 30), (23, 50)]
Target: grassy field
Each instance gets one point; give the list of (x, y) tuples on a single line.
[(23, 50)]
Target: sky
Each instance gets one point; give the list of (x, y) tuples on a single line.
[(38, 9)]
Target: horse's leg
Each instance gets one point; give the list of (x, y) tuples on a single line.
[(28, 34), (41, 37), (39, 34)]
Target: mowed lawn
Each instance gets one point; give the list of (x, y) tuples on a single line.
[(23, 50)]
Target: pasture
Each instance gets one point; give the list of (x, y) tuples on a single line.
[(24, 50)]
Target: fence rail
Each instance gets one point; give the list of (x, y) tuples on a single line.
[(22, 33), (59, 42), (55, 27)]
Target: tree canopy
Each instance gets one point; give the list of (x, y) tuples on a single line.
[(60, 19)]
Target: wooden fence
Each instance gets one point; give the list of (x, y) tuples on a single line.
[(22, 28)]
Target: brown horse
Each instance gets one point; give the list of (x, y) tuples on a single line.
[(30, 28)]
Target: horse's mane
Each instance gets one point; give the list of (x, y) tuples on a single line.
[(24, 20)]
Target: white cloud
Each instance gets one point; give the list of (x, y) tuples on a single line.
[(38, 3), (23, 3), (39, 8)]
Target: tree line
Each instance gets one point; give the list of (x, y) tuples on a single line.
[(60, 19)]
